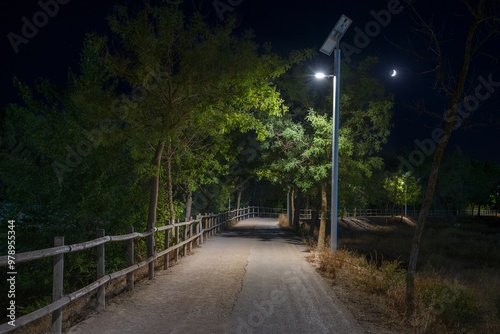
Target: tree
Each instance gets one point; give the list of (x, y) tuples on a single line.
[(495, 197), (300, 145), (452, 188), (483, 26), (483, 177), (75, 187), (402, 189), (209, 78)]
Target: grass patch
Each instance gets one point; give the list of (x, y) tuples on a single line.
[(458, 277), (283, 221)]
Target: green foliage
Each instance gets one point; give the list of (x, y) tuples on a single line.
[(450, 301), (200, 83), (77, 158), (464, 182), (299, 146), (403, 188), (381, 279)]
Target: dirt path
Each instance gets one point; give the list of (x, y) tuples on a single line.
[(252, 278)]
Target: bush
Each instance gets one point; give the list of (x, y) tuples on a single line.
[(381, 279), (283, 221), (451, 302), (331, 263)]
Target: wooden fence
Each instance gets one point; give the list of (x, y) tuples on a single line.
[(307, 213), (195, 231)]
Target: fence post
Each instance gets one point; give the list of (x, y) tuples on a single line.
[(176, 241), (130, 259), (191, 234), (212, 224), (57, 286), (207, 226), (200, 229), (101, 291), (184, 238), (166, 257), (216, 221), (150, 242)]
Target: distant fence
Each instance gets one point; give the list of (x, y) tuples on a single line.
[(307, 213), (194, 231)]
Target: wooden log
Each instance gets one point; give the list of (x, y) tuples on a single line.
[(151, 252), (184, 238), (176, 241), (190, 236), (57, 286), (166, 257), (130, 259), (199, 229), (212, 224), (101, 291)]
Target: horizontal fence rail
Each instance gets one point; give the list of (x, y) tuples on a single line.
[(307, 213), (195, 231)]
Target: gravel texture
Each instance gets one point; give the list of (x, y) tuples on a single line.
[(252, 278)]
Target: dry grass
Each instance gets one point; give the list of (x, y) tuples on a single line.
[(283, 221), (457, 285), (233, 222)]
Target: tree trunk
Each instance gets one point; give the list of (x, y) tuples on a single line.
[(314, 218), (292, 208), (431, 185), (322, 225), (456, 95), (189, 204), (479, 210), (170, 188), (296, 218), (239, 198), (153, 203)]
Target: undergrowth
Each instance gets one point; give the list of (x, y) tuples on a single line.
[(441, 305)]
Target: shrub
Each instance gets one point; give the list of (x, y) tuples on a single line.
[(331, 263), (283, 221), (450, 301), (381, 279)]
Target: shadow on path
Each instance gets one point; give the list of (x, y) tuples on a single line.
[(265, 230)]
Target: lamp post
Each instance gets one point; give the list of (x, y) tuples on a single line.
[(331, 43), (406, 206)]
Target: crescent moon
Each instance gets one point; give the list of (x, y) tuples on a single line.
[(393, 73)]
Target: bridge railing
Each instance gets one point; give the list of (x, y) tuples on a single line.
[(192, 231)]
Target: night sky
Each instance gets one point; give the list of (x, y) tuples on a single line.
[(287, 26)]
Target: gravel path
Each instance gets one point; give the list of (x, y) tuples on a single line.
[(252, 278)]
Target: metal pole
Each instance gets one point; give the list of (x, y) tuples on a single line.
[(335, 150), (57, 286)]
